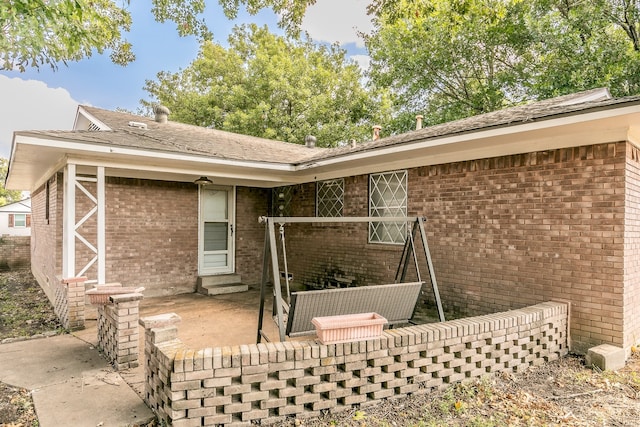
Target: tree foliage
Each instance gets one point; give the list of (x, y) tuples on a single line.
[(7, 196), (273, 87), (34, 33), (455, 58), (39, 32), (448, 58)]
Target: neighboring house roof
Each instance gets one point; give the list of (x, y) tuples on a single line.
[(175, 151), (22, 206)]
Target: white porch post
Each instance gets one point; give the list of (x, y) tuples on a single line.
[(70, 226), (101, 226), (68, 223)]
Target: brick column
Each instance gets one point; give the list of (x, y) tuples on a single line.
[(71, 304), (118, 335), (161, 334)]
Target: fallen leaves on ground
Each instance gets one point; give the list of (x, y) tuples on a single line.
[(559, 393)]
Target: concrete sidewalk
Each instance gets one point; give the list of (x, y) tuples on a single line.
[(71, 384)]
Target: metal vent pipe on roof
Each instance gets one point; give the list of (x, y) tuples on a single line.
[(376, 132), (310, 141), (419, 118), (161, 113)]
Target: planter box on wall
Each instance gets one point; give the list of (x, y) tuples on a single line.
[(348, 327)]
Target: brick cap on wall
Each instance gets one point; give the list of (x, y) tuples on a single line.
[(74, 279), (160, 321), (126, 297)]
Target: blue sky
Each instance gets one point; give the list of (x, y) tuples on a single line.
[(47, 99)]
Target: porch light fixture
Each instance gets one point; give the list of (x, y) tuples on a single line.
[(203, 180)]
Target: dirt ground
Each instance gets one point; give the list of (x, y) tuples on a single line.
[(561, 393)]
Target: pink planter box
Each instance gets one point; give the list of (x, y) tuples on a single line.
[(348, 327)]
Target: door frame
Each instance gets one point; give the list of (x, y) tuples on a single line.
[(231, 230)]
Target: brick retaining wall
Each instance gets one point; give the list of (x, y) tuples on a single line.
[(268, 382)]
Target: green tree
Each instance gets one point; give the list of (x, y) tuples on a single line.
[(274, 87), (584, 44), (7, 196), (46, 32), (448, 58)]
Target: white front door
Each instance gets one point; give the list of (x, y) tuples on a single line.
[(216, 230)]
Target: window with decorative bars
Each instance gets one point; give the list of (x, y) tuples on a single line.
[(281, 201), (330, 198), (388, 198)]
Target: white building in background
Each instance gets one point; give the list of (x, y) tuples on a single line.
[(15, 218)]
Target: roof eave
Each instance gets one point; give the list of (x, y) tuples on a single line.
[(598, 125), (51, 154)]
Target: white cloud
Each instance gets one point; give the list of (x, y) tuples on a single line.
[(337, 21), (362, 60), (32, 105)]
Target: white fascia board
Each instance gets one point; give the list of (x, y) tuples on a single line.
[(499, 133), (105, 150), (12, 156), (185, 174)]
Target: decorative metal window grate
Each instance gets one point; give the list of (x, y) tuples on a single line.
[(94, 127), (281, 201), (330, 198), (388, 198)]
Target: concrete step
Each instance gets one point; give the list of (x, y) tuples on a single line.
[(220, 279), (223, 289), (222, 284)]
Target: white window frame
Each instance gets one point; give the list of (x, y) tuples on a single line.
[(330, 198), (388, 196), (16, 221)]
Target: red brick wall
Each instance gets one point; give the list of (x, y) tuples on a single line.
[(514, 231), (632, 249), (15, 253), (504, 233), (152, 235), (315, 251), (251, 203), (46, 236)]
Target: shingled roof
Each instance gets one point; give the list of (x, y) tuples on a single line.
[(139, 147), (189, 139), (180, 138), (566, 105)]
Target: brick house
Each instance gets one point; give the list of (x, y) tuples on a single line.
[(523, 205), (15, 218)]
